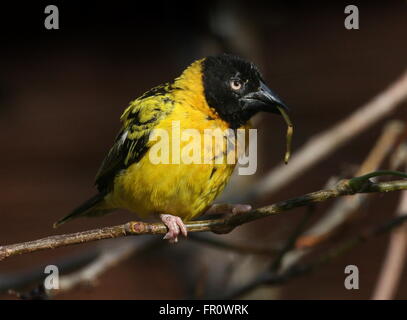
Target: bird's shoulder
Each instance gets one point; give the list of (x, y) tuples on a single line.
[(132, 142)]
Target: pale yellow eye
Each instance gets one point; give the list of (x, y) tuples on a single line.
[(235, 84)]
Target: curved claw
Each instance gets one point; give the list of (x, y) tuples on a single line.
[(175, 226)]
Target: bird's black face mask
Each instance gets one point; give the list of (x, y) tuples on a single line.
[(236, 90)]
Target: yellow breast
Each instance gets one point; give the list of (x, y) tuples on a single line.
[(176, 187)]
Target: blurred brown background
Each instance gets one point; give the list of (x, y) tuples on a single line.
[(62, 93)]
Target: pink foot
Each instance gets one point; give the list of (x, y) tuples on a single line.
[(226, 208), (175, 227)]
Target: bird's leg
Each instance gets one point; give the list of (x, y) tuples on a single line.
[(226, 208), (175, 226)]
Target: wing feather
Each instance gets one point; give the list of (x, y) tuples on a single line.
[(132, 142)]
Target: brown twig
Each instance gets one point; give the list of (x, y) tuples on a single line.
[(386, 286), (295, 269), (231, 246), (344, 208), (395, 259), (109, 257), (290, 243), (31, 275), (223, 225), (77, 261)]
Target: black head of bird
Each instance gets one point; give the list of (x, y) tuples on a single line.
[(235, 88)]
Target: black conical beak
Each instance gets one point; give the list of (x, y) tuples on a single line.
[(271, 99), (264, 99)]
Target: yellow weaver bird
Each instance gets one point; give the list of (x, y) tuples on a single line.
[(217, 92)]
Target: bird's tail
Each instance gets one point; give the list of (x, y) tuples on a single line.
[(91, 207)]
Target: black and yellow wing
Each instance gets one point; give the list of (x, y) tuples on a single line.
[(132, 142)]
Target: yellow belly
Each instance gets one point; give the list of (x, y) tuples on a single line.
[(184, 190)]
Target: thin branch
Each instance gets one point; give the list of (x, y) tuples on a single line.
[(109, 258), (295, 269), (34, 274), (71, 263), (398, 158), (390, 136), (344, 208), (223, 225), (395, 259), (290, 243), (390, 275), (231, 246), (109, 255)]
